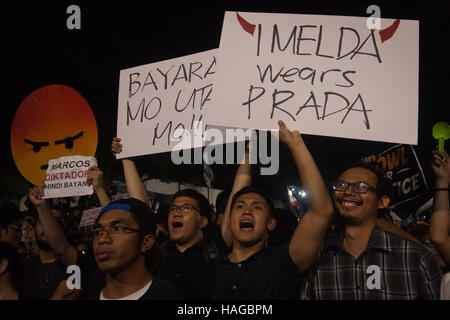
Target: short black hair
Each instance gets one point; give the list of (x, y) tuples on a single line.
[(203, 203), (253, 189), (145, 218), (222, 200), (141, 212), (384, 184), (9, 214)]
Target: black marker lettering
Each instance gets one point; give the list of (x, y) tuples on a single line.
[(276, 104)]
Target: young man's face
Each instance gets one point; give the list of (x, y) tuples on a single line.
[(118, 245), (357, 207), (12, 233), (185, 220), (250, 219)]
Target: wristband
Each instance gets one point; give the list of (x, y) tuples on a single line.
[(440, 189)]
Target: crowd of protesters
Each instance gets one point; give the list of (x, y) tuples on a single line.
[(346, 245)]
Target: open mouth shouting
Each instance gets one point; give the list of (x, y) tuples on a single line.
[(177, 225), (246, 225)]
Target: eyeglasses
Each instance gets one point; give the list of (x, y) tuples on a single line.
[(358, 187), (115, 232), (183, 208)]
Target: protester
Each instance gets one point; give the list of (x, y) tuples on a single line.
[(253, 270), (124, 234), (43, 272), (440, 221), (9, 272), (361, 261)]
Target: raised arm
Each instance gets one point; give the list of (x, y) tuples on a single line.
[(135, 186), (95, 178), (242, 179), (55, 236), (440, 220), (310, 233)]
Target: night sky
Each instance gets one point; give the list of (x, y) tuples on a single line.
[(38, 50)]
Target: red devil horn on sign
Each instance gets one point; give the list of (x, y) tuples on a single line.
[(247, 26), (387, 33)]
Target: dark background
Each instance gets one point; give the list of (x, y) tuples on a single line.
[(38, 50)]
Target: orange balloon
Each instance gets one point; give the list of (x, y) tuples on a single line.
[(51, 122)]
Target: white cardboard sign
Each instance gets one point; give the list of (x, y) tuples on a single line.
[(322, 75), (161, 102), (67, 177), (89, 216)]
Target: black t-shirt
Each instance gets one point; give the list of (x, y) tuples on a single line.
[(40, 280), (267, 274), (93, 282), (192, 271)]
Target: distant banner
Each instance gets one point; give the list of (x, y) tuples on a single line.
[(402, 166), (89, 216), (66, 177)]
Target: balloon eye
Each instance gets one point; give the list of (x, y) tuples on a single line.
[(36, 145), (68, 144)]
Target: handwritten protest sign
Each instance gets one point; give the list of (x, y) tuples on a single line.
[(66, 177), (160, 102), (89, 216), (323, 75), (403, 168)]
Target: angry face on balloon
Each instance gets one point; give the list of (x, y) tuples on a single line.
[(51, 122)]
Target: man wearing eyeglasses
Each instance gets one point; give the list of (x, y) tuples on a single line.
[(187, 259), (123, 238), (360, 261)]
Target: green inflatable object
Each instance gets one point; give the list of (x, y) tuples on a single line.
[(441, 132)]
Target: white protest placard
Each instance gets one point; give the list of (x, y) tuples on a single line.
[(161, 102), (66, 177), (322, 75), (89, 216)]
